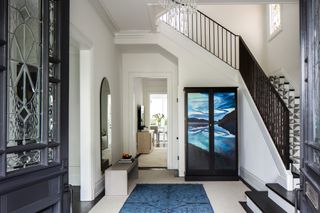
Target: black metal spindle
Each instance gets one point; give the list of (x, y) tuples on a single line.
[(222, 43), (205, 33), (227, 56), (197, 41), (218, 33), (188, 22), (214, 38), (210, 35), (200, 29), (192, 27)]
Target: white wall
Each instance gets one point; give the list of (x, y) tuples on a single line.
[(280, 55), (283, 51), (138, 91), (103, 63), (198, 68), (74, 116), (152, 86), (245, 20), (255, 156)]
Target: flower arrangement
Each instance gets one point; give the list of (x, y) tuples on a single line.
[(158, 117)]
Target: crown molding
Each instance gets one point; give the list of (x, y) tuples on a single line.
[(105, 15)]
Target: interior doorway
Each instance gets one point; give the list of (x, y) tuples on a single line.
[(151, 96)]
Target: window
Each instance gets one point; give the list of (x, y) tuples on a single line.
[(158, 109), (274, 20)]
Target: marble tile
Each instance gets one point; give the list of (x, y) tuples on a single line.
[(224, 196)]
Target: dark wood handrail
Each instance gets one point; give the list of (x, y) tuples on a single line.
[(260, 68), (233, 50)]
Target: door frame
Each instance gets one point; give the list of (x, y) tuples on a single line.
[(48, 183), (85, 45), (130, 112)]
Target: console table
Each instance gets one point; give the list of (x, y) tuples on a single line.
[(145, 142), (117, 177)]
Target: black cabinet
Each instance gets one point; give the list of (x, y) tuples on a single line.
[(211, 133)]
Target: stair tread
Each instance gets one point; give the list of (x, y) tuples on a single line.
[(263, 202), (295, 175), (245, 207), (282, 192)]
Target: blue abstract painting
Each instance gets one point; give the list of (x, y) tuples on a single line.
[(225, 124), (198, 119)]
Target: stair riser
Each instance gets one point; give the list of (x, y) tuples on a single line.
[(281, 202), (253, 206)]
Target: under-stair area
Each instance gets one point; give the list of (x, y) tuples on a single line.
[(273, 96)]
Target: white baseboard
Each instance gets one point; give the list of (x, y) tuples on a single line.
[(252, 179), (99, 187)]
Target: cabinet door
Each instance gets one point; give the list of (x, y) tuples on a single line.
[(198, 155), (225, 131), (310, 103)]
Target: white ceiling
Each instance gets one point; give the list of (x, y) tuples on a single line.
[(138, 15)]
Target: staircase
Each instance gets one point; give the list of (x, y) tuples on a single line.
[(273, 97), (232, 49), (287, 93)]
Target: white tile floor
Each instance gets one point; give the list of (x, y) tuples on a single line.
[(224, 196)]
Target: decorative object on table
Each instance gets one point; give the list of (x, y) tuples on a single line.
[(126, 158), (126, 155), (167, 198)]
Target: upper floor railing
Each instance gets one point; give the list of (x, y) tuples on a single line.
[(231, 49), (206, 32)]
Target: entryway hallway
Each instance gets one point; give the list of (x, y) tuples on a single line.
[(224, 196)]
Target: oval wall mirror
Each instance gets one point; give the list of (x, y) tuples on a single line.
[(105, 125)]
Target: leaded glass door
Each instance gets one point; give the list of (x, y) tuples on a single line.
[(34, 133), (310, 156)]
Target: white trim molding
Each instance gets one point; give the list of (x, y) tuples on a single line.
[(105, 15)]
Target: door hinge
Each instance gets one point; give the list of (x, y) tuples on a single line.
[(177, 100), (178, 157)]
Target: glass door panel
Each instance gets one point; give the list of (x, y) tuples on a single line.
[(225, 131), (198, 131)]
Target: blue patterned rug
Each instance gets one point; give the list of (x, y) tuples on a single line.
[(167, 198)]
